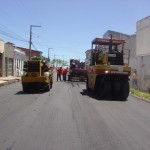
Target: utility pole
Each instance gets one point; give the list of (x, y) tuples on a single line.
[(63, 59), (30, 42), (48, 54), (54, 60)]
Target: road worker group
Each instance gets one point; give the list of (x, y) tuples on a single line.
[(62, 73)]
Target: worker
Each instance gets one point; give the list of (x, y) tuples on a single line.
[(25, 69), (100, 57), (105, 58), (134, 79), (59, 73), (64, 73), (45, 67), (115, 50), (51, 72)]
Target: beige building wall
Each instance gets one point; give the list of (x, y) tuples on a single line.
[(9, 50), (143, 36), (88, 58), (116, 35), (131, 43), (2, 58), (140, 59), (1, 46), (141, 64)]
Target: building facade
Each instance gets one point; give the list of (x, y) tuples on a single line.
[(8, 59), (139, 47), (2, 44), (19, 59), (12, 58), (141, 59), (87, 58), (33, 52), (116, 35), (143, 36)]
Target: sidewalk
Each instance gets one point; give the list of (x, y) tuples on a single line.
[(8, 80)]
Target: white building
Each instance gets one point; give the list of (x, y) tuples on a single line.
[(19, 59), (142, 60), (143, 37), (140, 53), (87, 58)]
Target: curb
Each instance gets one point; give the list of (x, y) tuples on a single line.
[(6, 82), (143, 99)]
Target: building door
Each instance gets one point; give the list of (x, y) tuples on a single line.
[(8, 66), (1, 68)]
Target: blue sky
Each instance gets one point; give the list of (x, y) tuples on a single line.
[(67, 26)]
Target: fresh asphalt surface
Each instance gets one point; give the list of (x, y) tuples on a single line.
[(69, 118)]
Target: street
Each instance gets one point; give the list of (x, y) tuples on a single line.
[(69, 118)]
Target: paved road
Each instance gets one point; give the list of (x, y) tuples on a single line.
[(68, 118)]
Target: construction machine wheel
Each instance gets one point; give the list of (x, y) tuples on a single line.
[(69, 78), (51, 85), (47, 88), (125, 90), (87, 87), (116, 86), (103, 89), (25, 88)]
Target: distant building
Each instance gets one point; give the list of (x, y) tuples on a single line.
[(8, 59), (19, 59), (139, 50), (143, 37), (33, 52), (141, 61), (87, 58), (13, 57), (116, 35)]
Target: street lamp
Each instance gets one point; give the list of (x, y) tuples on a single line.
[(63, 59), (30, 42), (55, 60), (48, 54)]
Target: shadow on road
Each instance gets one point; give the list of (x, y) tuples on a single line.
[(30, 92), (91, 94)]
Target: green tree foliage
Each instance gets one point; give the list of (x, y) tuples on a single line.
[(38, 58), (59, 62)]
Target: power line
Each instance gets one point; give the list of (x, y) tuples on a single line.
[(34, 46), (8, 33), (11, 36)]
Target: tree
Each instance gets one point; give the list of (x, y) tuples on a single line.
[(59, 62), (38, 58)]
